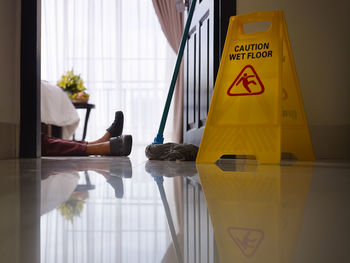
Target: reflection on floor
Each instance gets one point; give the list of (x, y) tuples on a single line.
[(119, 209)]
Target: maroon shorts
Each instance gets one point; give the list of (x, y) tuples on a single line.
[(58, 147)]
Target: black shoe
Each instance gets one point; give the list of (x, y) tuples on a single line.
[(121, 145), (116, 128), (117, 184)]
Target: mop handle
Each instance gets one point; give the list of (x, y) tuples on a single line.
[(159, 139)]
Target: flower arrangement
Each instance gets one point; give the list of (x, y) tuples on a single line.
[(74, 86)]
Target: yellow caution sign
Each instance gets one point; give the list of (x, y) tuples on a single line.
[(256, 108)]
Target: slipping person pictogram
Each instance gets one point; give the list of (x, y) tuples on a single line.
[(246, 82), (247, 79)]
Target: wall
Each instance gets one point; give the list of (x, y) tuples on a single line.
[(320, 41), (9, 77), (10, 237)]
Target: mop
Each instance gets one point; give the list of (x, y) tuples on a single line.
[(172, 151)]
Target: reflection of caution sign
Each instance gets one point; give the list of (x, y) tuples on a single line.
[(246, 83), (284, 94), (274, 121), (248, 240)]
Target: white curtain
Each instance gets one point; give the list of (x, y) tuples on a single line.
[(121, 53)]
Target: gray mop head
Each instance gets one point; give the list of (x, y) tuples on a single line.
[(171, 152)]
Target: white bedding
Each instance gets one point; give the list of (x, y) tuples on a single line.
[(57, 109)]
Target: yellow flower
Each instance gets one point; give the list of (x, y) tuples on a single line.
[(71, 83), (81, 85)]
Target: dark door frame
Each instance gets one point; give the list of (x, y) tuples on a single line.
[(30, 144), (197, 93), (225, 9)]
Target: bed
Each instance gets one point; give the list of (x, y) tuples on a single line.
[(57, 109)]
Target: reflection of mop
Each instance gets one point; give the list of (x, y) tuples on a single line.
[(159, 138), (159, 180)]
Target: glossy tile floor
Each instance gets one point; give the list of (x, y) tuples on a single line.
[(117, 209)]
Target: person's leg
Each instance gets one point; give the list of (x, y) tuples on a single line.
[(111, 143), (115, 130), (104, 138), (102, 148), (117, 146), (58, 147)]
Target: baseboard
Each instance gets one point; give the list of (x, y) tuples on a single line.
[(331, 141), (9, 140)]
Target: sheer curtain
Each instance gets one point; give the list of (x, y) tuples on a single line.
[(121, 53)]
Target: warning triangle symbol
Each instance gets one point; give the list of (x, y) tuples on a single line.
[(247, 239), (246, 83)]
